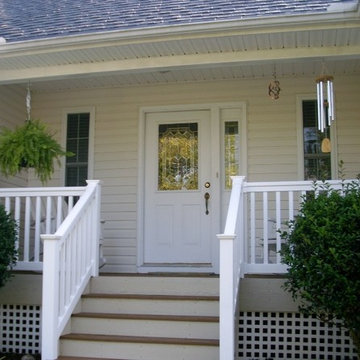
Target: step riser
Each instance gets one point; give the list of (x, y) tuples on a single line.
[(155, 285), (150, 338), (137, 351), (131, 327), (156, 307)]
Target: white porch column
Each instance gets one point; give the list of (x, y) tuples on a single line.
[(50, 298), (227, 341)]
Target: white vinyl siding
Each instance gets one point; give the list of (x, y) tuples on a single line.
[(271, 136), (13, 113)]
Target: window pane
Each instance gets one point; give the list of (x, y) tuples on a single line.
[(83, 150), (231, 151), (178, 157), (317, 164)]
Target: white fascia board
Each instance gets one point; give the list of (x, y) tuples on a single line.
[(344, 17)]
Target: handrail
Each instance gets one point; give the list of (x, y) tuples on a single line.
[(71, 257)]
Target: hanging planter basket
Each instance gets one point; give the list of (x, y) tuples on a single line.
[(29, 146)]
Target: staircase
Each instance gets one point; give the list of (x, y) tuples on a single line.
[(146, 317)]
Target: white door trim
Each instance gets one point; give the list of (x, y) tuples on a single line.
[(214, 110)]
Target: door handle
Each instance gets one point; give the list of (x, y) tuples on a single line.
[(207, 197)]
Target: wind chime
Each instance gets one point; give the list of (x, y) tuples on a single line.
[(325, 107), (325, 101)]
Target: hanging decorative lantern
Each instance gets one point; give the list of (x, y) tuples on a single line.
[(28, 103), (274, 88), (325, 101)]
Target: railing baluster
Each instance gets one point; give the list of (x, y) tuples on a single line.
[(59, 211), (291, 205), (48, 215), (71, 203), (17, 219), (252, 227), (265, 228), (7, 205), (278, 226), (27, 229), (37, 228)]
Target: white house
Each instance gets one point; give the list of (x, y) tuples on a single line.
[(162, 102)]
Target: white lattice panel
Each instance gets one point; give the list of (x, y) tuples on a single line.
[(20, 329), (265, 336)]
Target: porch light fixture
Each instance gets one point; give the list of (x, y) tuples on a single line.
[(325, 101)]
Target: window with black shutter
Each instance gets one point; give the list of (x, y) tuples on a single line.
[(77, 141)]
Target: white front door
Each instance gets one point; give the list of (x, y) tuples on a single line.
[(178, 189)]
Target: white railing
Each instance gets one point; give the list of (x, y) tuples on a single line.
[(251, 241), (37, 211), (71, 257)]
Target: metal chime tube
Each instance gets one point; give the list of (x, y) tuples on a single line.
[(322, 117), (318, 104), (332, 103)]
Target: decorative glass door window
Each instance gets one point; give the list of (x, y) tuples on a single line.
[(178, 156), (317, 157), (231, 151)]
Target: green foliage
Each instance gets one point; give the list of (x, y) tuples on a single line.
[(8, 235), (322, 252), (29, 146)]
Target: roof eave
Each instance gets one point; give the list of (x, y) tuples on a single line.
[(269, 24)]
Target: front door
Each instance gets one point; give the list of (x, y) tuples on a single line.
[(178, 189)]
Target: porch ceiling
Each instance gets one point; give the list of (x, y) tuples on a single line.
[(250, 53)]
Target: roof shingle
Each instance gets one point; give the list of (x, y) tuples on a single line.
[(22, 20)]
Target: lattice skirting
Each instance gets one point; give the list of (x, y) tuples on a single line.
[(277, 335), (20, 329)]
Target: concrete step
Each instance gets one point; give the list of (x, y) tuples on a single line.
[(156, 285), (136, 347), (151, 304), (192, 327)]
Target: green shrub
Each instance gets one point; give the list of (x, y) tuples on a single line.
[(8, 235), (322, 252)]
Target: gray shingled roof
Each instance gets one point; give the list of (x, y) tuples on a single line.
[(22, 20)]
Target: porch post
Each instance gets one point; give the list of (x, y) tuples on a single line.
[(50, 298)]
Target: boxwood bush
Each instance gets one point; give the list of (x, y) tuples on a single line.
[(8, 235), (322, 251)]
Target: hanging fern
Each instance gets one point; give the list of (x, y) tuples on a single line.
[(29, 146)]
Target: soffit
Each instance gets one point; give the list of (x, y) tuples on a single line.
[(189, 58)]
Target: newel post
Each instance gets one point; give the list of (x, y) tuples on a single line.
[(50, 298), (227, 341), (96, 230)]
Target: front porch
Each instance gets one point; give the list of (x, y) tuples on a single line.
[(68, 255)]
